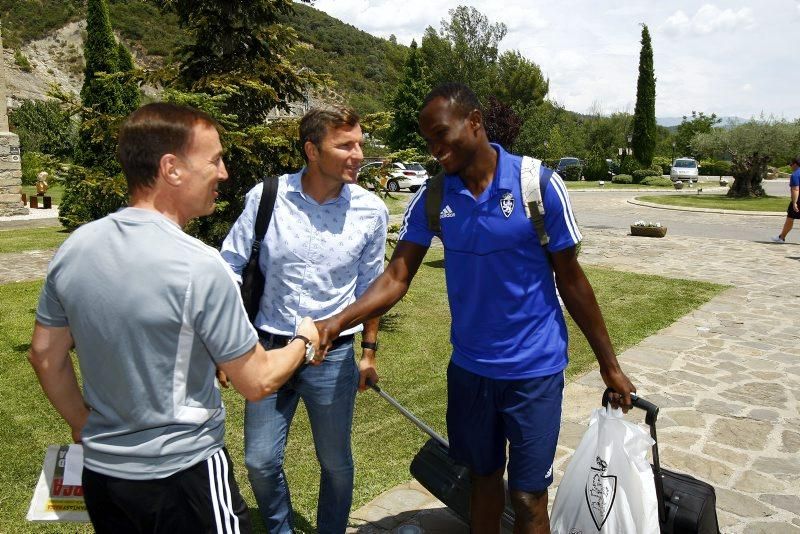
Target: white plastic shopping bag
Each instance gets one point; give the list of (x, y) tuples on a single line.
[(608, 486)]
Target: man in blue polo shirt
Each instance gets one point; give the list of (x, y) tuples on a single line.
[(792, 212), (505, 378)]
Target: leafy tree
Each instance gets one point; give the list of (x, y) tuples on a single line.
[(519, 82), (751, 146), (502, 124), (644, 115), (236, 66), (42, 126), (688, 128), (465, 50), (550, 123), (407, 101)]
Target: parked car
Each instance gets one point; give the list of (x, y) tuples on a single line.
[(563, 163), (684, 169), (409, 176)]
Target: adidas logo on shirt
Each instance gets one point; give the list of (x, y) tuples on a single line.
[(447, 212)]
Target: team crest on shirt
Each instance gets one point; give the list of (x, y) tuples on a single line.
[(507, 203)]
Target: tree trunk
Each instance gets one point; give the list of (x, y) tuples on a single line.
[(748, 172)]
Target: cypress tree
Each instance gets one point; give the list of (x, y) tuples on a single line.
[(644, 115), (130, 97), (96, 145), (407, 101)]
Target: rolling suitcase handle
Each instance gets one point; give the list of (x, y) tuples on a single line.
[(650, 418), (411, 417)]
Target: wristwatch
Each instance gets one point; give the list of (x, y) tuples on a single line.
[(310, 353), (370, 345)]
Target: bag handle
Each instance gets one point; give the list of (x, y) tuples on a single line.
[(411, 417), (650, 418)]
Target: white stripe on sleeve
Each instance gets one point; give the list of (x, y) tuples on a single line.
[(410, 207), (569, 217)]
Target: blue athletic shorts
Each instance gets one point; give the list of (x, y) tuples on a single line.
[(483, 414)]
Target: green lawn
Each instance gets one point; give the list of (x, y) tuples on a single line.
[(413, 359), (22, 239), (56, 191), (768, 203), (609, 185)]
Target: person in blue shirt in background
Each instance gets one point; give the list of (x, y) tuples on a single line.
[(324, 246), (506, 374), (792, 212)]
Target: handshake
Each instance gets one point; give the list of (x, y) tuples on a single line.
[(320, 334)]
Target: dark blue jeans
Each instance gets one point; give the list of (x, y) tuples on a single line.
[(328, 392)]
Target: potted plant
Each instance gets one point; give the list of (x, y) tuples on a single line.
[(648, 229), (678, 184)]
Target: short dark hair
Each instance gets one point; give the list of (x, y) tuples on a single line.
[(315, 123), (796, 161), (462, 97), (150, 132)]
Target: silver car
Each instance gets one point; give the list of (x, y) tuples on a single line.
[(684, 170), (409, 176)]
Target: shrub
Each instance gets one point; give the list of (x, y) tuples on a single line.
[(572, 173), (665, 164), (42, 126), (596, 167), (639, 175), (22, 61), (622, 179), (628, 165), (90, 195), (656, 181), (711, 167), (35, 162)]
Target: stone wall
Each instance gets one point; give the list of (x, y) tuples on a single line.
[(10, 176)]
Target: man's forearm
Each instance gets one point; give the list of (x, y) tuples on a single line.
[(370, 333), (580, 301), (377, 300), (60, 385)]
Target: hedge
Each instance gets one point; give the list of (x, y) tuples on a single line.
[(572, 173), (656, 180), (715, 168), (639, 175), (622, 179)]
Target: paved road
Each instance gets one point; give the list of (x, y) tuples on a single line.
[(611, 210)]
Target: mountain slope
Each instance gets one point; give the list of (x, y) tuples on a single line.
[(364, 69)]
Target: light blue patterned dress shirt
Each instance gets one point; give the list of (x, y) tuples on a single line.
[(316, 258)]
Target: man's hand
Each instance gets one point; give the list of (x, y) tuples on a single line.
[(622, 386), (367, 370), (223, 378), (329, 329), (794, 206)]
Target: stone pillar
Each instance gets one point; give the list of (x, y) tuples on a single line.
[(10, 164)]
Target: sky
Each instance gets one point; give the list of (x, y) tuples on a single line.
[(733, 58)]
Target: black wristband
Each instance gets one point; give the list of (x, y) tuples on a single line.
[(370, 345), (300, 336)]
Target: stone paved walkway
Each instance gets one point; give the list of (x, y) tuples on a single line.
[(726, 376)]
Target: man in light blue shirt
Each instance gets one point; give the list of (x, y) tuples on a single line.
[(324, 246)]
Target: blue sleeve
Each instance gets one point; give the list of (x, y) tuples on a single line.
[(415, 224), (794, 181), (559, 221), (236, 247)]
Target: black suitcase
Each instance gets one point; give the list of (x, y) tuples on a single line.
[(685, 505), (447, 480)]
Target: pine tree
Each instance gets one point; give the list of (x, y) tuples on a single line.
[(644, 115), (407, 101), (130, 98)]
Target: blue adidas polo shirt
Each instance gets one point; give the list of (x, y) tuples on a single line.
[(794, 180), (507, 321)]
